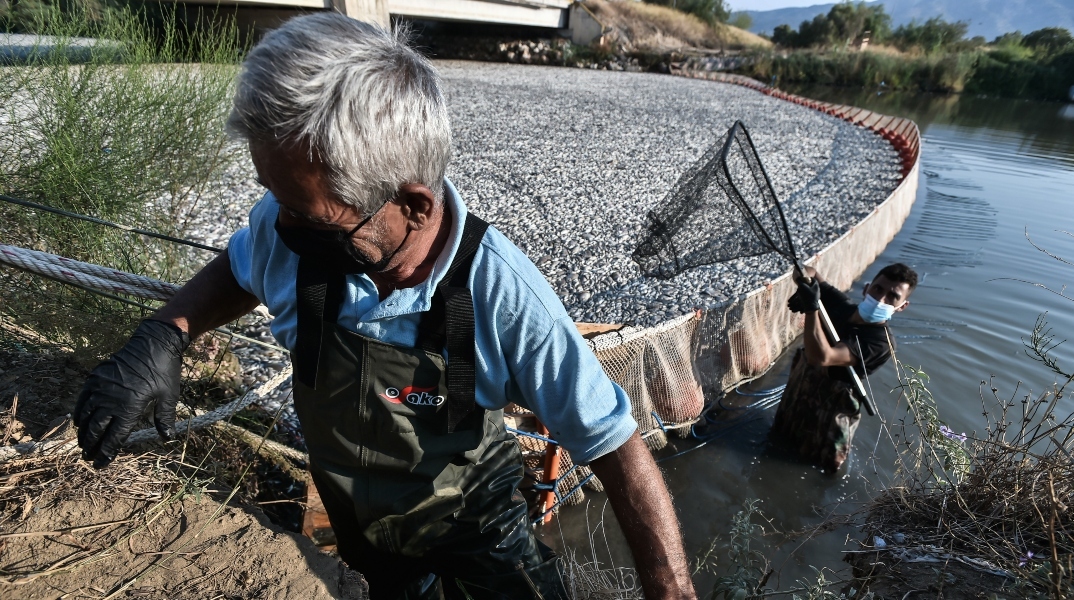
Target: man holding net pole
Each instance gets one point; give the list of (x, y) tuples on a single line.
[(724, 208), (820, 409)]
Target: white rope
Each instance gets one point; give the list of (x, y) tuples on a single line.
[(219, 414), (60, 447), (86, 274)]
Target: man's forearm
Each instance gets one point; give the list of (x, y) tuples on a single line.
[(817, 347), (642, 505), (209, 300), (819, 351)]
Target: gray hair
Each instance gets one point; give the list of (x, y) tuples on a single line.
[(368, 105)]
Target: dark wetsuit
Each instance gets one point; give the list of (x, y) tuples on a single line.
[(819, 412), (420, 484)]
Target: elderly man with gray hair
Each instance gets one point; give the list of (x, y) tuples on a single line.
[(411, 324)]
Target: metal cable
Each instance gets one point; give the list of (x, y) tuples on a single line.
[(81, 217), (79, 274)]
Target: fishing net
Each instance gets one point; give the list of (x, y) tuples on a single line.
[(655, 367), (721, 209)]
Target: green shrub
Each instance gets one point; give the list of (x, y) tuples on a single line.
[(135, 141), (842, 25), (934, 35), (1008, 53), (1001, 72), (1049, 41), (1005, 75), (941, 73)]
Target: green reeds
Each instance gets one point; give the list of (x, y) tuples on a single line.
[(996, 73), (936, 72)]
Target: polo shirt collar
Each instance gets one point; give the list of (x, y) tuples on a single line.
[(419, 298)]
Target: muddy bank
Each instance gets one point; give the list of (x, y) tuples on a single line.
[(137, 529)]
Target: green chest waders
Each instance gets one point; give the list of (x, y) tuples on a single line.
[(416, 478)]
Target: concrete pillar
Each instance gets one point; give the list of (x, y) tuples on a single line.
[(585, 28), (370, 11)]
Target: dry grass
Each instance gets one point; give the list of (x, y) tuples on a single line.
[(999, 499), (649, 27), (149, 525), (591, 581), (735, 38), (588, 577), (28, 486), (26, 483)]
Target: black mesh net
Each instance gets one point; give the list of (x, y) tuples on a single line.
[(721, 209)]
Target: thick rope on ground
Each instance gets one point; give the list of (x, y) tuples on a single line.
[(59, 447)]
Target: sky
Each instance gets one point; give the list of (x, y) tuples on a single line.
[(771, 4)]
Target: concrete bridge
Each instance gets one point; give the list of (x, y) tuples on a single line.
[(549, 14), (535, 13)]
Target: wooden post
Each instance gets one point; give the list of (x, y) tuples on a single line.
[(315, 524)]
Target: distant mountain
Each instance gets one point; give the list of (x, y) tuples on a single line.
[(988, 18), (764, 21)]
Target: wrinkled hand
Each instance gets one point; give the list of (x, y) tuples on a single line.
[(119, 390), (807, 298)]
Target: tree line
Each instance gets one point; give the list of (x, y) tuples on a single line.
[(848, 23)]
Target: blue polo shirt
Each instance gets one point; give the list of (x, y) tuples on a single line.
[(528, 350)]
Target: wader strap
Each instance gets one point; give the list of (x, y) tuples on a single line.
[(450, 322), (320, 296)]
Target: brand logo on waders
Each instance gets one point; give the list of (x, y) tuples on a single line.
[(413, 395)]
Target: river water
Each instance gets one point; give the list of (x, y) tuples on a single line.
[(992, 173)]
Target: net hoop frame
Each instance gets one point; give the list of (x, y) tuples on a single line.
[(737, 129)]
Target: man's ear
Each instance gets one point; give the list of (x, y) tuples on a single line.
[(418, 204), (865, 288), (903, 307)]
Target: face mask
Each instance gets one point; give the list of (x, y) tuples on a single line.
[(875, 311), (332, 248)]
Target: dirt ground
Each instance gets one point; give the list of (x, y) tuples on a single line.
[(135, 530), (46, 387), (151, 525)]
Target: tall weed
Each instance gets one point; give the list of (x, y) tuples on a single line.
[(129, 130)]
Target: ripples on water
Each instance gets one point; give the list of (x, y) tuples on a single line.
[(993, 171)]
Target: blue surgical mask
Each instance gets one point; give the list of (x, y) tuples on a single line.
[(875, 311)]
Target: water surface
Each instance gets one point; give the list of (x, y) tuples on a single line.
[(993, 172)]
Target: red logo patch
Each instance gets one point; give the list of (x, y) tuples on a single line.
[(413, 395)]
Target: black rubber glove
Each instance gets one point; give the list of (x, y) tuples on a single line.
[(120, 389), (807, 298)]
